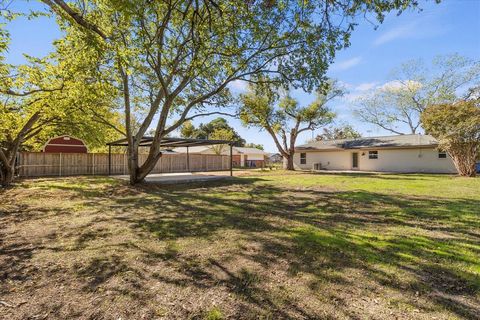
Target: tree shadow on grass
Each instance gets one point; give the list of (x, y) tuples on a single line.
[(324, 235), (318, 231)]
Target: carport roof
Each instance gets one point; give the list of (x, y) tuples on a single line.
[(168, 142)]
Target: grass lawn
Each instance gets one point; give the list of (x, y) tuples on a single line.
[(261, 246)]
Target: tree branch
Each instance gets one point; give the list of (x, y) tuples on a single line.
[(59, 6)]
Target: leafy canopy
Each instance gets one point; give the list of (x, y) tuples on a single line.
[(60, 93), (457, 128), (221, 134), (282, 116), (207, 130), (454, 122)]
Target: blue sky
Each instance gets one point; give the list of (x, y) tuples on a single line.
[(452, 26)]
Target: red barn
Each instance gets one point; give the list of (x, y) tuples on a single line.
[(65, 144)]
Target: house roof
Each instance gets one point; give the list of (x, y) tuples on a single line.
[(398, 141), (249, 150), (200, 149)]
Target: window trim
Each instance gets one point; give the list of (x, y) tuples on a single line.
[(303, 158), (373, 155)]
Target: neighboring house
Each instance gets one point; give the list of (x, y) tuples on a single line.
[(401, 153), (275, 158), (65, 144), (241, 156)]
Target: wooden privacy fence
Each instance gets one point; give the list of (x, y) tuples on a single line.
[(39, 164)]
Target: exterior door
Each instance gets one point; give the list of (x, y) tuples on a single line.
[(355, 160)]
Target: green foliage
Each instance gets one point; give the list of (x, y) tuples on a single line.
[(254, 145), (214, 314), (458, 121), (401, 101), (282, 116), (343, 131), (221, 134), (457, 128), (58, 94), (187, 130), (207, 130)]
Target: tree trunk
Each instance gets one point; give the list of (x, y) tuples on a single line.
[(288, 162), (6, 174), (465, 160), (138, 173), (147, 166), (133, 165)]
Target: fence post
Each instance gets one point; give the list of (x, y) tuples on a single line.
[(60, 166), (93, 164), (231, 160), (125, 163), (188, 160), (109, 160)]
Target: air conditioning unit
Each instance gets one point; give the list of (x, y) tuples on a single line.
[(317, 166)]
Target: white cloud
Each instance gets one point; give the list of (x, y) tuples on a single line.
[(365, 86), (366, 89), (404, 31), (397, 85), (346, 64)]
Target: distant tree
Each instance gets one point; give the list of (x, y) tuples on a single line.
[(283, 118), (402, 101), (187, 130), (344, 131), (205, 131), (175, 59), (221, 134), (457, 128), (254, 145)]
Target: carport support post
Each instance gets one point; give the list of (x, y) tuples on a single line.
[(188, 161), (231, 159), (109, 159)]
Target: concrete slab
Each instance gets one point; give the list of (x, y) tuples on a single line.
[(174, 178)]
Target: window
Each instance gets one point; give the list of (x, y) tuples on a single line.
[(442, 155), (303, 158), (372, 154)]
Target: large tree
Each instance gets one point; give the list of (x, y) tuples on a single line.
[(283, 117), (397, 105), (49, 96), (175, 59), (457, 128)]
